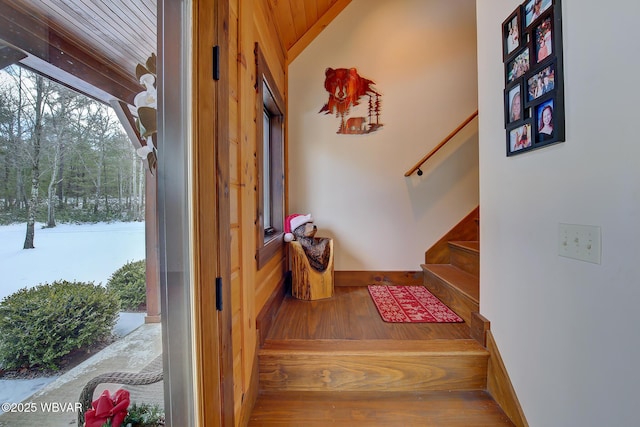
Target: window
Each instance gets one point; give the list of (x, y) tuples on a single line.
[(266, 172), (270, 152)]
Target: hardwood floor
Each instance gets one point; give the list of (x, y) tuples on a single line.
[(336, 362), (351, 315), (449, 408)]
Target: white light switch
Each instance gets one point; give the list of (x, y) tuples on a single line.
[(580, 242)]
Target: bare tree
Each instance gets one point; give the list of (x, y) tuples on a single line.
[(62, 109), (6, 141), (14, 102), (36, 141), (72, 147)]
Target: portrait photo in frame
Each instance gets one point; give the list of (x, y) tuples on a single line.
[(514, 103), (519, 138), (511, 34), (543, 39), (533, 9), (544, 116)]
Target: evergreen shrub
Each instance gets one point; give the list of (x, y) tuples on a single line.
[(41, 325), (129, 285), (144, 415)]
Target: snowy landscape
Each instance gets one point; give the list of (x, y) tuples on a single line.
[(73, 252), (80, 252)]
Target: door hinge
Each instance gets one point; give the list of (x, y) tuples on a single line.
[(216, 63), (219, 293)]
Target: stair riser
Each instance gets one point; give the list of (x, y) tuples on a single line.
[(331, 372), (466, 229), (450, 296), (372, 409), (466, 260)]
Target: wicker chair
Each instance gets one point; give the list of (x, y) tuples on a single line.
[(127, 378)]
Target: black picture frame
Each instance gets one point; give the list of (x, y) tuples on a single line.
[(540, 82), (533, 10), (542, 36), (511, 34), (520, 137), (544, 137), (535, 71), (514, 102), (518, 65), (544, 117)]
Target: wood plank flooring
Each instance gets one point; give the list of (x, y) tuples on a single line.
[(450, 408), (351, 315), (336, 362)]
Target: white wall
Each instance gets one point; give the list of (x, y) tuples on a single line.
[(567, 329), (422, 56)]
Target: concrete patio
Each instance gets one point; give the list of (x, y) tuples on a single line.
[(56, 405)]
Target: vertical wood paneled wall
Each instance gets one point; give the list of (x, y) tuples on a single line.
[(210, 208), (249, 22)]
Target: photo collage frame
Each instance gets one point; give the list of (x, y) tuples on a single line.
[(534, 89)]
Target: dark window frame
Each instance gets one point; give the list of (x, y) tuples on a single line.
[(269, 99)]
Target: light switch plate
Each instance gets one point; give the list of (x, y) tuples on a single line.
[(581, 242)]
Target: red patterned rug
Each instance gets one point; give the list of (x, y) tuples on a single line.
[(410, 304)]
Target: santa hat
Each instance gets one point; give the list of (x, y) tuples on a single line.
[(292, 222)]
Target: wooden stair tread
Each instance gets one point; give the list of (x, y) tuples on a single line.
[(464, 282), (450, 408), (469, 245), (387, 347)]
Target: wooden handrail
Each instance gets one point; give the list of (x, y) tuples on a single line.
[(442, 144)]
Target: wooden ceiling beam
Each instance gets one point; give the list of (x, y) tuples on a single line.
[(55, 55), (128, 122)]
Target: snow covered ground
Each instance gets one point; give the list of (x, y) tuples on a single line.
[(83, 252), (74, 252)]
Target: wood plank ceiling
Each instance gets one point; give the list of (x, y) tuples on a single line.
[(123, 31), (90, 45), (298, 22), (95, 45)]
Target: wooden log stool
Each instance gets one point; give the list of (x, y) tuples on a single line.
[(308, 283)]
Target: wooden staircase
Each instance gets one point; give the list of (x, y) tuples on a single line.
[(334, 362), (375, 383), (452, 268)]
